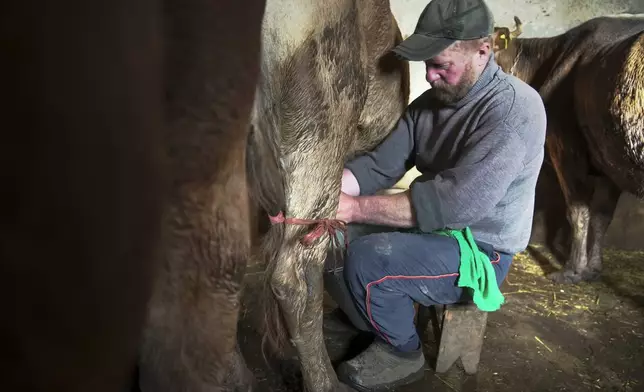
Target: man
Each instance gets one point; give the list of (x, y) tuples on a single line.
[(477, 137)]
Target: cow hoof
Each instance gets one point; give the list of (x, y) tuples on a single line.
[(591, 275), (565, 277)]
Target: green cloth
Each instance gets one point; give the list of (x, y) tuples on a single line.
[(476, 271)]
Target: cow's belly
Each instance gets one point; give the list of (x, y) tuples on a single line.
[(615, 137)]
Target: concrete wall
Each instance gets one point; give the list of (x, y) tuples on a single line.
[(544, 18)]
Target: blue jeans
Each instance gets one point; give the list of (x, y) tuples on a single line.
[(386, 270)]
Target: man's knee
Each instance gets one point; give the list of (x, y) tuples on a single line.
[(366, 259)]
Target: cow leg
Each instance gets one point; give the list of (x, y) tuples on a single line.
[(190, 340), (578, 216), (300, 298), (602, 207), (296, 280), (325, 86), (569, 157)]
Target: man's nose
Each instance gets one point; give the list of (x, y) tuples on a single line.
[(432, 75)]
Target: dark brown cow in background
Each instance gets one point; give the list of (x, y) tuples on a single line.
[(212, 52), (329, 88), (591, 79), (93, 92)]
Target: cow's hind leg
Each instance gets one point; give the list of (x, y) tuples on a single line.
[(567, 151), (602, 207), (296, 279), (312, 164), (325, 89), (190, 340), (578, 215)]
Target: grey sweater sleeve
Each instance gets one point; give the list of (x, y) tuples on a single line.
[(389, 161), (460, 196)]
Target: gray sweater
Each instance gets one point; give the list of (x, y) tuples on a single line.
[(479, 159)]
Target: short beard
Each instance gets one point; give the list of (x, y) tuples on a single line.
[(448, 94)]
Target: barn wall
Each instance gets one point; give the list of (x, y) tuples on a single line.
[(545, 18)]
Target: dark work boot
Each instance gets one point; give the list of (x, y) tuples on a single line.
[(381, 368)]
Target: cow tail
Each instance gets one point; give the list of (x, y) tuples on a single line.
[(267, 193)]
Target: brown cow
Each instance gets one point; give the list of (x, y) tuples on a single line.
[(211, 72), (90, 89), (591, 79), (330, 88)]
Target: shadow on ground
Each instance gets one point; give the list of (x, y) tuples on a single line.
[(546, 337)]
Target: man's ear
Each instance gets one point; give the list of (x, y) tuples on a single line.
[(483, 52), (486, 47)]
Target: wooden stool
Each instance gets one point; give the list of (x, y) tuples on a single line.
[(459, 329)]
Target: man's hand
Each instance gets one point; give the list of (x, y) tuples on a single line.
[(346, 207)]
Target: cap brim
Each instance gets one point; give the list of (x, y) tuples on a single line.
[(418, 47)]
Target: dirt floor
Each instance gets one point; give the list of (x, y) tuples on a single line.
[(546, 337)]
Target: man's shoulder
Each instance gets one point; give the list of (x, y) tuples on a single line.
[(525, 92), (513, 111), (523, 100), (519, 106)]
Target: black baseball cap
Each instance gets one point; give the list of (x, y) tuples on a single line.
[(444, 22)]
